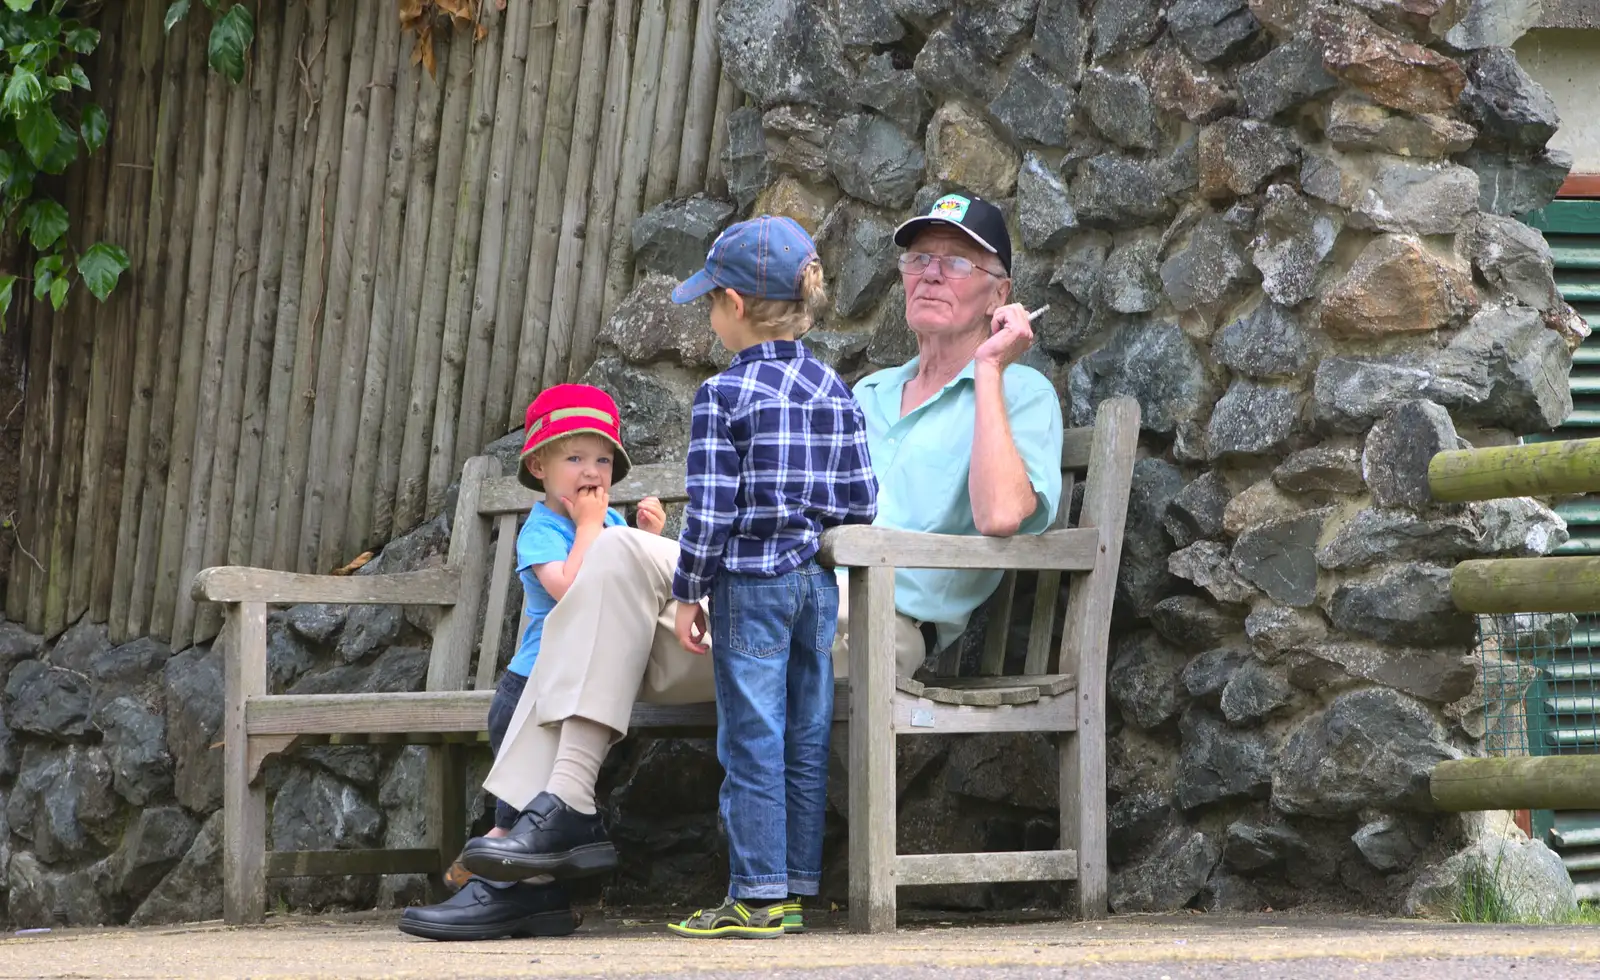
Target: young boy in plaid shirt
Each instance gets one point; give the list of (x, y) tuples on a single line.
[(778, 453)]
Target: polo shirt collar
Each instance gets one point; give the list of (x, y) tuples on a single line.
[(770, 350)]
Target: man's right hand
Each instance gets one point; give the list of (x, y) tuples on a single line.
[(588, 506)]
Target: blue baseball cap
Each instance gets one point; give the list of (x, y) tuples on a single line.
[(762, 258)]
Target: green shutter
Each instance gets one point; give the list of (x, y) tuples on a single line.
[(1563, 705)]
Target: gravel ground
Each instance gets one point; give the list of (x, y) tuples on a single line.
[(633, 945)]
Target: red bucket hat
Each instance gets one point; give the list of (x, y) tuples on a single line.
[(567, 410)]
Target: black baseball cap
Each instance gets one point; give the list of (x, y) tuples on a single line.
[(981, 221)]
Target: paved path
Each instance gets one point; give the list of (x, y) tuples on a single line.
[(1129, 948)]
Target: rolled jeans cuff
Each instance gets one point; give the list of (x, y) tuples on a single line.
[(760, 887)]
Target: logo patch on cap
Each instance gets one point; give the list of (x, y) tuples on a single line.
[(952, 207)]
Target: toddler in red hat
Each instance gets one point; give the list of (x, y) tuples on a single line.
[(573, 454)]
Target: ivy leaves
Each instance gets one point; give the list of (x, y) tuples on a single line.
[(230, 35), (45, 125)]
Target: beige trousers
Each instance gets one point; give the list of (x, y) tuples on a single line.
[(608, 643)]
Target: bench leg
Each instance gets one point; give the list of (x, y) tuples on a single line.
[(1083, 814), (872, 756), (244, 806), (447, 807)]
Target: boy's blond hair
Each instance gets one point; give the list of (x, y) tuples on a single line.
[(774, 317)]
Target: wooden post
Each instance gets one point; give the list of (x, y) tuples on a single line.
[(872, 750), (1083, 650), (244, 805), (580, 172), (1540, 470), (1508, 585), (635, 150), (674, 90), (1551, 782), (701, 109), (727, 101)]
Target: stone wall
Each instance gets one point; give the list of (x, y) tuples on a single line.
[(1287, 229)]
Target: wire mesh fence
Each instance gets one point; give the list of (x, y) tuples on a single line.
[(1541, 683)]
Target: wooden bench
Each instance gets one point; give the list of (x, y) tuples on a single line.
[(1060, 690)]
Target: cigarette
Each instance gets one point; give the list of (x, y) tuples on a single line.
[(1035, 314)]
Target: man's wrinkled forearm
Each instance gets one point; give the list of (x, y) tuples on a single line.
[(1002, 495)]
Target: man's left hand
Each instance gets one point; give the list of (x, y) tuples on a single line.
[(1010, 336), (652, 516), (690, 626)]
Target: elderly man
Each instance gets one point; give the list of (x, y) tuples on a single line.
[(963, 441)]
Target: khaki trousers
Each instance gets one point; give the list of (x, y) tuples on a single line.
[(608, 643)]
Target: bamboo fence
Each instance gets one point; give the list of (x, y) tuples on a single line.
[(348, 275)]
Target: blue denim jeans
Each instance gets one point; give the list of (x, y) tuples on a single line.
[(506, 695), (772, 655)]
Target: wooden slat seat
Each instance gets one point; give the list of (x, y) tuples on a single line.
[(1060, 689)]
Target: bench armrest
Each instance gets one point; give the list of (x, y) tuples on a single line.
[(865, 546), (235, 583)]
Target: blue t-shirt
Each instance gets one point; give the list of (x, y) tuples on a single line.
[(546, 536)]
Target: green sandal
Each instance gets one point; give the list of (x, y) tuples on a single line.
[(793, 917), (735, 920)]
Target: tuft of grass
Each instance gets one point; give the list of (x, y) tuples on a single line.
[(1482, 897), (1588, 914)]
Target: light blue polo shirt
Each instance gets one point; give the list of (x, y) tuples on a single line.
[(922, 462)]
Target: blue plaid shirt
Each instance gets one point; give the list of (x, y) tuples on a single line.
[(777, 453)]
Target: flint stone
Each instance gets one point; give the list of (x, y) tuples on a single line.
[(892, 342), (10, 759), (655, 403), (865, 23), (1254, 848), (1278, 630), (132, 668), (1219, 763), (872, 159), (1118, 192), (1078, 270), (1349, 394), (892, 93), (1391, 843), (159, 838), (949, 66), (1506, 369), (1253, 418), (136, 742), (791, 197), (369, 629), (1370, 748), (1129, 283), (1505, 103), (1122, 25), (1181, 85), (1238, 155), (1202, 271), (1280, 558), (745, 157), (1208, 674), (1169, 877), (1439, 675), (42, 897), (191, 891), (1151, 361), (1268, 342), (1520, 527), (994, 28), (1260, 503), (648, 326), (1133, 820), (1493, 23), (79, 645), (396, 670), (1213, 30), (317, 622), (1196, 512), (782, 51), (1137, 762), (1355, 124), (1013, 770), (1391, 71), (45, 700), (1043, 208), (1036, 104), (1514, 184), (358, 764), (673, 237), (1531, 879), (1372, 536), (1144, 679), (1289, 75), (1409, 604), (1330, 177), (1418, 199), (1397, 286), (1058, 37), (965, 152), (865, 261), (1293, 241), (1253, 693), (1119, 106), (17, 644), (1321, 469), (797, 138), (1142, 578), (1208, 565), (1514, 259), (1227, 893), (841, 350), (1399, 448), (194, 693), (62, 802), (1190, 621), (315, 811)]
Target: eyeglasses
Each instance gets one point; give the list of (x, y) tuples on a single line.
[(950, 266)]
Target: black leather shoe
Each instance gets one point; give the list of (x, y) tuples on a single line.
[(550, 838), (486, 910)]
